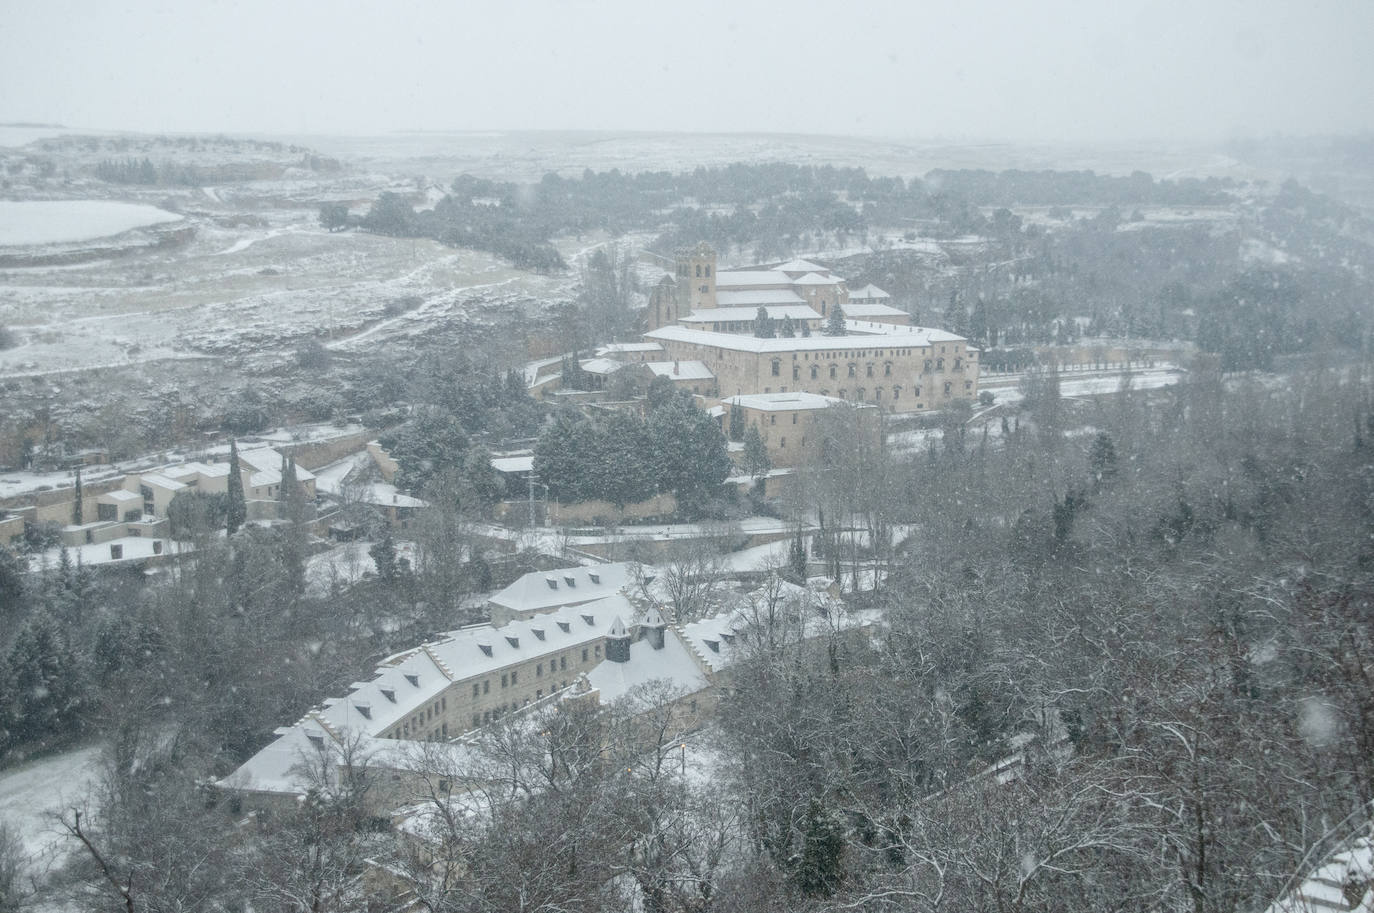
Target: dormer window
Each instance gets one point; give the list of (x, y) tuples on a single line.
[(389, 694), (513, 641), (596, 578), (364, 710), (564, 626), (712, 645), (538, 633), (413, 679), (553, 584), (316, 740), (728, 638), (485, 648), (589, 619), (570, 582)]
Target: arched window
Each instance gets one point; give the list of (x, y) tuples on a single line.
[(870, 369), (859, 394), (926, 368), (698, 270), (796, 372), (877, 394), (832, 372), (887, 369), (939, 364), (814, 371), (896, 393), (948, 387), (853, 370)]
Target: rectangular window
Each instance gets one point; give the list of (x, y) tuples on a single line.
[(486, 686), (539, 670), (476, 720), (562, 662), (476, 689), (504, 679), (598, 651), (514, 677), (584, 654)]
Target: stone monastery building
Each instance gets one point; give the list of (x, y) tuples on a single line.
[(704, 317)]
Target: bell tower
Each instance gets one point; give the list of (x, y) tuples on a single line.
[(696, 278)]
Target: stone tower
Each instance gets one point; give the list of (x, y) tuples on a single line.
[(618, 642), (696, 278)]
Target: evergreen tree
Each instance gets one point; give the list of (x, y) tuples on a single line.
[(45, 689), (796, 560), (756, 462), (77, 508), (1102, 459), (236, 511), (822, 858), (384, 556), (788, 329), (763, 324), (834, 324), (736, 422)]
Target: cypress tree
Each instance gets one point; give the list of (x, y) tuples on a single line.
[(77, 512), (236, 512)]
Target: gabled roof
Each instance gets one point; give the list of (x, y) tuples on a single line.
[(673, 666), (756, 296), (540, 591), (817, 279), (868, 292), (747, 278), (602, 365), (861, 336), (802, 266), (619, 347), (787, 402), (265, 459), (776, 311), (680, 370), (863, 309)]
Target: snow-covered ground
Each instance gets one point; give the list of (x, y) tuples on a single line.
[(34, 792), (54, 221)]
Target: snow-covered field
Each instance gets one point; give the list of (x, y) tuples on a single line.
[(32, 793), (54, 221)]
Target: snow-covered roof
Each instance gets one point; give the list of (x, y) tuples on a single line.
[(856, 339), (265, 459), (785, 402), (540, 591), (407, 682), (602, 365), (619, 347), (817, 279), (868, 293), (923, 336), (756, 297), (681, 370), (858, 309), (802, 266), (120, 494), (673, 665), (523, 463), (158, 480), (776, 311), (806, 611), (747, 278)]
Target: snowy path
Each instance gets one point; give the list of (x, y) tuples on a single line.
[(32, 793)]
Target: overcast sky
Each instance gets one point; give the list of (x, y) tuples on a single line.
[(1045, 70)]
